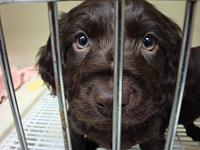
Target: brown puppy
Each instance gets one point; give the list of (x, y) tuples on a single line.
[(151, 54)]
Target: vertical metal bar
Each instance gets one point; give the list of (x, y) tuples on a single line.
[(10, 90), (182, 72), (118, 72), (55, 45)]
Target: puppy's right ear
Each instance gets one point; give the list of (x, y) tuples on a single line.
[(45, 60), (45, 65)]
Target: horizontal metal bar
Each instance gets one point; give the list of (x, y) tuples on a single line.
[(118, 73), (32, 1), (57, 65), (10, 91), (182, 72), (21, 1)]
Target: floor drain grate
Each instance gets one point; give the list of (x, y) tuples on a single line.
[(42, 127), (43, 130)]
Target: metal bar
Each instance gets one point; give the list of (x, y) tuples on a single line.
[(118, 72), (37, 1), (55, 45), (31, 1), (16, 1), (182, 72), (20, 1), (10, 91)]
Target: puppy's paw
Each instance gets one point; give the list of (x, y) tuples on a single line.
[(156, 143), (193, 131)]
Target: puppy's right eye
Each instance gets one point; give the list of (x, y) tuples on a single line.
[(81, 42), (148, 42)]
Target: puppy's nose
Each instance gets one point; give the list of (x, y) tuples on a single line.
[(105, 100)]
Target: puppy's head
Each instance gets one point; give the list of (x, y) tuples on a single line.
[(152, 43)]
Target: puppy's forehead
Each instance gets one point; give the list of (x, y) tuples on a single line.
[(96, 18), (93, 17)]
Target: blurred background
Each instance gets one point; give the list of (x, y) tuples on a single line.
[(26, 26)]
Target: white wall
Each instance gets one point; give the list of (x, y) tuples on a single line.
[(26, 26)]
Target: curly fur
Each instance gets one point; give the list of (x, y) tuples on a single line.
[(149, 77)]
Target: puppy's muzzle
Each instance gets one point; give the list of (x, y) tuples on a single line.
[(104, 101)]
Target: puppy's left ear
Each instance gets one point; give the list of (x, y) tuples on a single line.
[(173, 34), (176, 36), (170, 45)]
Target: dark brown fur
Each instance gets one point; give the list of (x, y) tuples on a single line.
[(148, 82)]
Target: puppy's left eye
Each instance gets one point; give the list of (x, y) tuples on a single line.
[(81, 41), (148, 42)]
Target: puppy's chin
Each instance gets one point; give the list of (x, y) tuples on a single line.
[(101, 132)]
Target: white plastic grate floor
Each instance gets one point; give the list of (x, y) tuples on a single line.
[(43, 130)]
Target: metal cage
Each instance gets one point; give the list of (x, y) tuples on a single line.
[(118, 75)]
